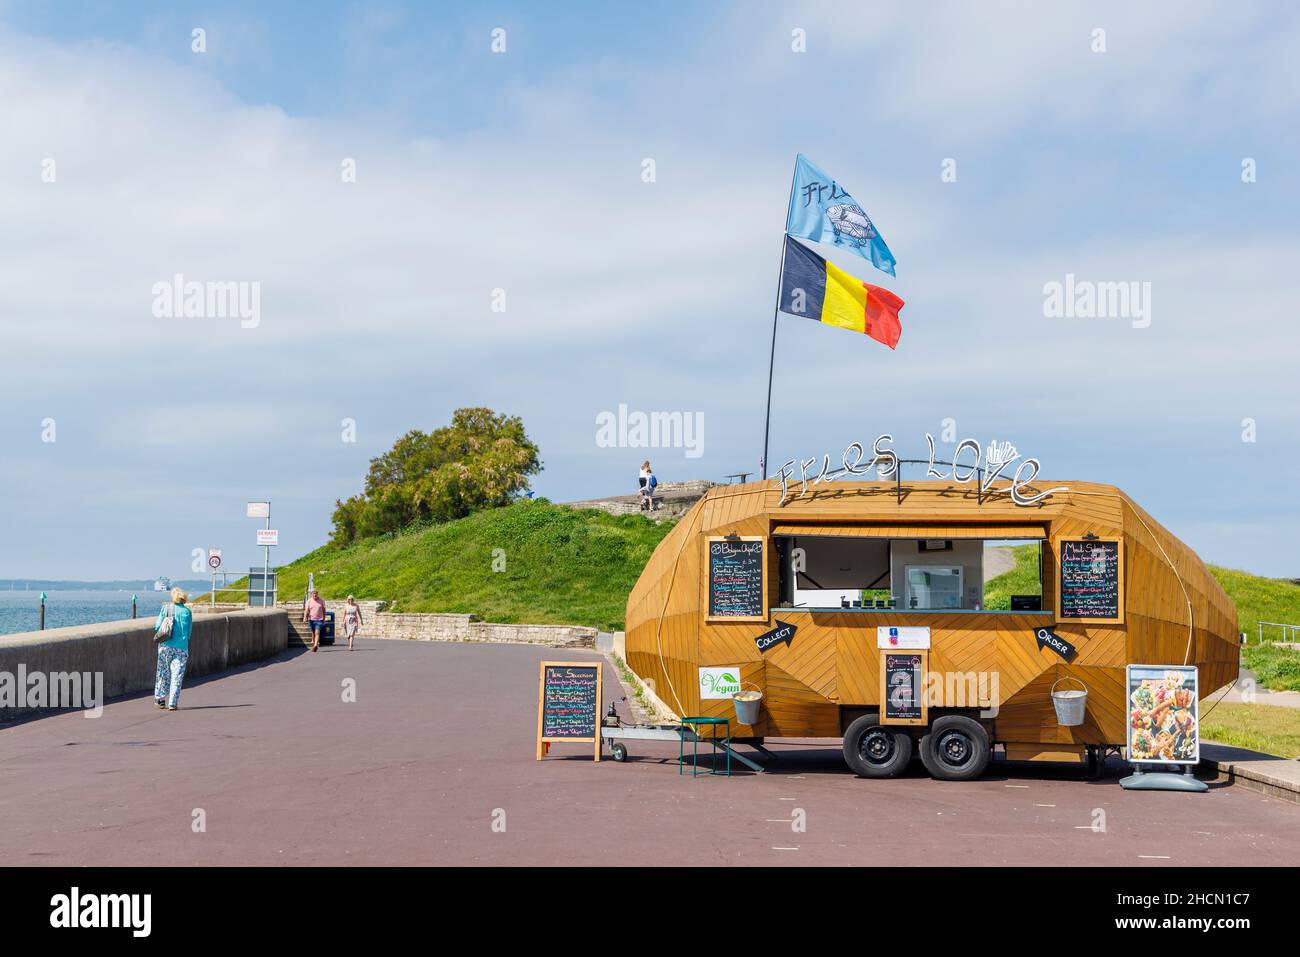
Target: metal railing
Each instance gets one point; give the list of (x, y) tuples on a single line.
[(251, 592), (1289, 632)]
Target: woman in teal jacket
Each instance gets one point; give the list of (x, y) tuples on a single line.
[(174, 652)]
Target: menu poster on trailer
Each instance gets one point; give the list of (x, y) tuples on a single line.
[(902, 687), (1163, 715), (1089, 587), (737, 577)]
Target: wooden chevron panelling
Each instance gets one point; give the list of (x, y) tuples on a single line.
[(1175, 612)]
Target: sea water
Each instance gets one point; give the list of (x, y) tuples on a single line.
[(21, 610)]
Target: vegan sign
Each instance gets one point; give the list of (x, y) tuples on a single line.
[(719, 683)]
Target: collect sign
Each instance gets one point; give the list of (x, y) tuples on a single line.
[(1090, 581), (568, 706), (737, 576), (783, 631), (1163, 720), (902, 678)]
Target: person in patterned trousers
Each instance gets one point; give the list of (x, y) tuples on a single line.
[(173, 651)]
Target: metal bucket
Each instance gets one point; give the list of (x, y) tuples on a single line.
[(1069, 705), (747, 708)]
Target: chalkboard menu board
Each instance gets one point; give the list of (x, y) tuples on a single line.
[(737, 578), (1090, 583), (902, 687), (568, 706)]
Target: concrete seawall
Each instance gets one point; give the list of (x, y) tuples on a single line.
[(125, 653)]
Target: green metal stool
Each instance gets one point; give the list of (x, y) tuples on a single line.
[(695, 724)]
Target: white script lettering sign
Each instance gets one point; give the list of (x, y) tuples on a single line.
[(970, 463)]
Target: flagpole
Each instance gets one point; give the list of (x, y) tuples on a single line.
[(776, 311)]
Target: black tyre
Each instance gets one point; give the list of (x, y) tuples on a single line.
[(873, 750), (619, 751), (956, 748)]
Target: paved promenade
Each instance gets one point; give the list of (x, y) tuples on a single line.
[(439, 745)]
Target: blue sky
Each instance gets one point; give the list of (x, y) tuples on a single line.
[(522, 171)]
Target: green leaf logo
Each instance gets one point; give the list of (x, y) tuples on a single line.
[(728, 676)]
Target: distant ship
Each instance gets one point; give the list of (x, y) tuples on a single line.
[(162, 583)]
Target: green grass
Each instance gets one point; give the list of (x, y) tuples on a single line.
[(1022, 579), (1260, 599), (555, 565), (1264, 599), (1259, 727)]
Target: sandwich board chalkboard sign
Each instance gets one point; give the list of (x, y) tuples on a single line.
[(902, 687), (1089, 580), (737, 578), (568, 704)]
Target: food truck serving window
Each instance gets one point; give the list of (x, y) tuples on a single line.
[(918, 568)]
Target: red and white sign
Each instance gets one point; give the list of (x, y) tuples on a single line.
[(259, 510), (889, 637), (214, 558), (268, 536)]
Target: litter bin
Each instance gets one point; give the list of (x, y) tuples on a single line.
[(327, 629)]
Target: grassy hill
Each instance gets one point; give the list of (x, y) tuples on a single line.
[(555, 565), (1264, 599), (563, 566)]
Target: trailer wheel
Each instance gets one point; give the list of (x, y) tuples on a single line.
[(956, 748), (619, 751), (875, 751)]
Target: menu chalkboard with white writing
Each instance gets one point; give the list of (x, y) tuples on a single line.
[(737, 579), (568, 706), (1090, 580)]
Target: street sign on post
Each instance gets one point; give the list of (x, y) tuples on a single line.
[(214, 562), (266, 537)]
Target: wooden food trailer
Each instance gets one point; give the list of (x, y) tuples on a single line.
[(859, 610)]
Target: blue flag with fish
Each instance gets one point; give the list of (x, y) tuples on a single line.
[(823, 211)]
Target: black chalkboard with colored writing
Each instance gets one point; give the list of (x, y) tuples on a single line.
[(904, 677), (570, 701), (1090, 579), (736, 578)]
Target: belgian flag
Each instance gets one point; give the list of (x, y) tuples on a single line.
[(813, 288)]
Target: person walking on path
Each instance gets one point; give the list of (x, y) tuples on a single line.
[(172, 632), (351, 620), (649, 483), (313, 614)]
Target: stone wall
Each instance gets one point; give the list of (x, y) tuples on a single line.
[(124, 653), (416, 626)]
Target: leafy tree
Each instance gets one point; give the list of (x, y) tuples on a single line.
[(479, 461)]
